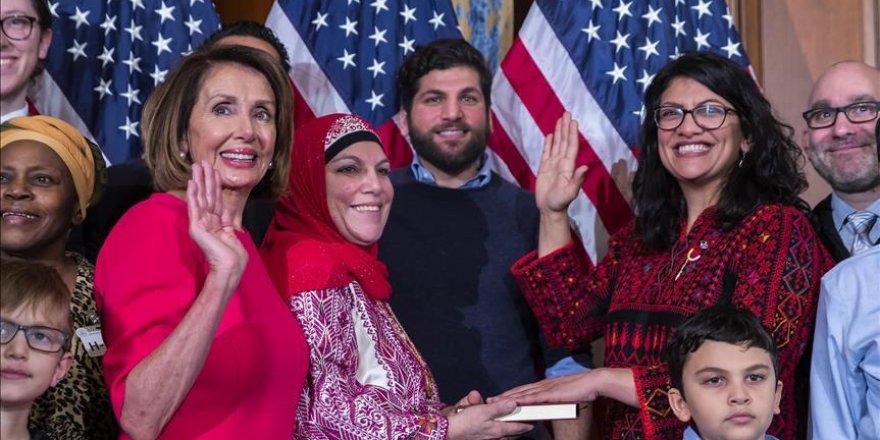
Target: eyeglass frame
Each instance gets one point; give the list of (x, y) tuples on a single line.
[(65, 344), (685, 112), (837, 111), (31, 21)]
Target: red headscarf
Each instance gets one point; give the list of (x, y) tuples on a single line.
[(303, 250)]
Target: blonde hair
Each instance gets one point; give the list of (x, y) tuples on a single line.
[(167, 112), (28, 283)]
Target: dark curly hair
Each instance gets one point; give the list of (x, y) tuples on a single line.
[(769, 173), (441, 55)]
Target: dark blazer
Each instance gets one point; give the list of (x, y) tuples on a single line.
[(824, 224)]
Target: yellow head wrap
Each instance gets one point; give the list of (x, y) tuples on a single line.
[(77, 152)]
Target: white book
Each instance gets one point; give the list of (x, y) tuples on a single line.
[(529, 413)]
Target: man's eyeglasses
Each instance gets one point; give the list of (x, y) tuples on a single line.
[(857, 112), (18, 27), (706, 116), (45, 339)]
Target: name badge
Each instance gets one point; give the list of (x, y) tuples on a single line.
[(91, 339)]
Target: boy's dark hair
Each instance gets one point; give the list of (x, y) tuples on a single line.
[(248, 28), (44, 20), (35, 285), (720, 324), (441, 55)]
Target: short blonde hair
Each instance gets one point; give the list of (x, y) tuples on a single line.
[(167, 112), (28, 283)]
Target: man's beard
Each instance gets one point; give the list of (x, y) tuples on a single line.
[(865, 178), (451, 163)]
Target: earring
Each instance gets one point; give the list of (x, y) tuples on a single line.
[(271, 164), (182, 154), (741, 159)]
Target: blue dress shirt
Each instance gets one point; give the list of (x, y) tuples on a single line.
[(845, 373), (690, 434), (484, 173)]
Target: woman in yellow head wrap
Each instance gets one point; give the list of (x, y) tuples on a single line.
[(49, 175)]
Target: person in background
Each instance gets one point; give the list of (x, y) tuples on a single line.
[(199, 343), (455, 229), (717, 221), (49, 175), (366, 379), (725, 375), (845, 373), (35, 303), (24, 45), (843, 106), (130, 182)]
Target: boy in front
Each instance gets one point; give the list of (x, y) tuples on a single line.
[(724, 370)]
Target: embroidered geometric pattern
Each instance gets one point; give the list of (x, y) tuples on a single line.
[(635, 299)]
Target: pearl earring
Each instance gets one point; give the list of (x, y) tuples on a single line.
[(182, 154)]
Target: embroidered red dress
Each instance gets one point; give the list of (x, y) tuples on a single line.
[(771, 263)]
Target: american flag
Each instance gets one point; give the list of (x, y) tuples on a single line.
[(595, 59), (107, 56)]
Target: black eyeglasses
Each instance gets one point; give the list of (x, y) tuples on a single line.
[(706, 116), (18, 27), (857, 112), (40, 338)]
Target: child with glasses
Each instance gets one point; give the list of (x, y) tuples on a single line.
[(35, 336)]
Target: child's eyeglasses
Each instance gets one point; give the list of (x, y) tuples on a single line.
[(40, 338)]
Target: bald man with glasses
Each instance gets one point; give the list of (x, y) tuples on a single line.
[(843, 110)]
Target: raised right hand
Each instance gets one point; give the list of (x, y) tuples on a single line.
[(558, 181), (210, 224), (477, 422)]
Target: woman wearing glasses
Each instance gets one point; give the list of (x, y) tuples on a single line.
[(24, 44), (717, 220), (49, 175)]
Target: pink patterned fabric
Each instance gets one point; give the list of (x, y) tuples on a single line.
[(395, 399)]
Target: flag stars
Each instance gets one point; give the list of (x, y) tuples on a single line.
[(375, 100), (702, 39), (137, 4), (678, 25), (729, 18), (437, 20), (379, 5), (349, 27), (129, 128), (702, 8), (103, 88), (162, 45), (650, 48), (106, 56), (408, 14), (617, 73), (622, 9), (80, 17), (407, 45), (135, 31), (194, 26), (347, 59), (620, 41), (378, 36), (158, 75), (53, 9), (732, 48), (165, 13), (645, 80), (592, 31), (320, 20), (78, 50), (109, 24), (133, 63), (131, 95), (653, 16), (377, 68), (596, 4)]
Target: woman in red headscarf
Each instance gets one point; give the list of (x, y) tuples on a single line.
[(366, 378)]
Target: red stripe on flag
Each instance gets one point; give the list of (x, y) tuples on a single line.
[(396, 147), (302, 113), (541, 101), (505, 149)]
